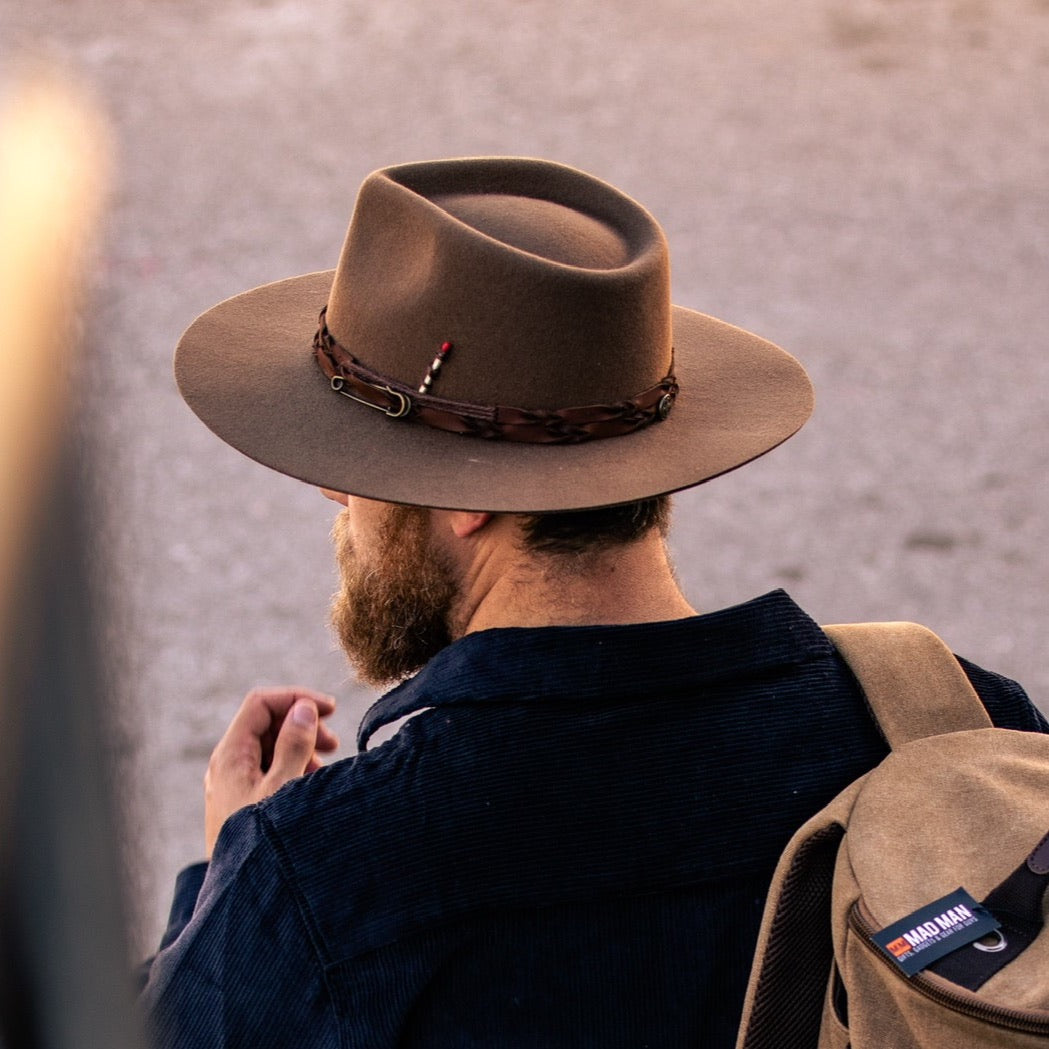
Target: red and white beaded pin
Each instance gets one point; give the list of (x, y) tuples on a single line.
[(435, 367)]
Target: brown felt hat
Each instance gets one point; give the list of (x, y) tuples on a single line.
[(498, 335)]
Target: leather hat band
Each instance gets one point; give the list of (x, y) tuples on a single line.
[(352, 379)]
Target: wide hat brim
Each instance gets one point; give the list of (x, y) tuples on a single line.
[(246, 367)]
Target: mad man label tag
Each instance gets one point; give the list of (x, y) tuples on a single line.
[(934, 930)]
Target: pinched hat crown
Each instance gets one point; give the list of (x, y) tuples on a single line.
[(553, 290), (481, 311)]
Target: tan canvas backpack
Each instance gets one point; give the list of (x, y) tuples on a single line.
[(910, 910)]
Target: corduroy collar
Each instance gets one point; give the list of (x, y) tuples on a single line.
[(519, 664)]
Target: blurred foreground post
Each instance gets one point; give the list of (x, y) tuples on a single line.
[(64, 972)]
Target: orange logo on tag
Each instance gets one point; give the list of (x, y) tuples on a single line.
[(898, 947)]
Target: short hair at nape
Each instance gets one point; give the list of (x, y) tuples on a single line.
[(590, 531)]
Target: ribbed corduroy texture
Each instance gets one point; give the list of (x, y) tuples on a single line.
[(571, 847)]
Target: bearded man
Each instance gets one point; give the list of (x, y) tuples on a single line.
[(570, 838)]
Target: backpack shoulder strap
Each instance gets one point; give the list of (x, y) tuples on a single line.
[(911, 679)]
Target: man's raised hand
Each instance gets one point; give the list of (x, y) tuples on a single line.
[(274, 737)]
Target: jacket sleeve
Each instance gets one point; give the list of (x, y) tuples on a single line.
[(239, 968), (187, 889), (1005, 700)]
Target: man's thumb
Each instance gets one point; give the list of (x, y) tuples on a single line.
[(295, 742)]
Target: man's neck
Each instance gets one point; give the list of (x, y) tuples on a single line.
[(629, 583)]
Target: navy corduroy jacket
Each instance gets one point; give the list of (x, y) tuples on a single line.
[(568, 844)]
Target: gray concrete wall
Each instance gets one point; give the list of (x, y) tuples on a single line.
[(865, 183)]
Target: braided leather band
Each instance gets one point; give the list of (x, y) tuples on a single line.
[(498, 422)]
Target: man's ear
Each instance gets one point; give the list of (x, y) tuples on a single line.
[(465, 523)]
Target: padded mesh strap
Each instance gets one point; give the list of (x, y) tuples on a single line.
[(785, 998), (912, 681)]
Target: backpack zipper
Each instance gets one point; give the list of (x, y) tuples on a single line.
[(940, 991)]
